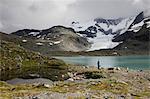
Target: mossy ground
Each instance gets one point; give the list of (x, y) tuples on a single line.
[(18, 62)]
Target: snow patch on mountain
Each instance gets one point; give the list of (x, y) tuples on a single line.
[(38, 36), (148, 24), (137, 27), (34, 33), (58, 42), (102, 41)]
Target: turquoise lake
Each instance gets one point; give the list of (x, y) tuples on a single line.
[(132, 62)]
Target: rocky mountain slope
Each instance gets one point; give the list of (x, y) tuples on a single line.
[(57, 38), (137, 37)]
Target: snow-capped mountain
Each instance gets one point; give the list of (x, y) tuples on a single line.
[(92, 35), (106, 26), (141, 21), (101, 32)]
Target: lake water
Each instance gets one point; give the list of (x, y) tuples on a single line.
[(132, 62)]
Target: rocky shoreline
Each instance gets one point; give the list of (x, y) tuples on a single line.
[(83, 83)]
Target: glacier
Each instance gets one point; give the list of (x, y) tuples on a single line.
[(103, 40)]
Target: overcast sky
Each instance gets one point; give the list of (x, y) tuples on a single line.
[(40, 14)]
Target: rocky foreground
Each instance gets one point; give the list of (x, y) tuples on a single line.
[(83, 83), (25, 74)]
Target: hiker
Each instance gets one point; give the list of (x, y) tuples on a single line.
[(98, 64)]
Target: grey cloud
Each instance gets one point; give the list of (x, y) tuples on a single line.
[(19, 14), (106, 8)]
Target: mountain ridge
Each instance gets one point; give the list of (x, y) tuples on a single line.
[(97, 34)]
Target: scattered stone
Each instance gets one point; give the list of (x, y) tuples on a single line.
[(62, 76), (140, 70), (93, 83), (111, 68), (101, 68), (148, 79), (88, 96), (115, 53), (86, 67), (50, 44), (47, 85), (134, 95), (74, 74), (70, 79), (17, 98), (10, 51), (18, 58), (125, 47), (13, 89), (112, 85), (34, 97), (70, 74), (106, 97), (118, 68), (36, 82), (18, 65), (149, 85), (119, 81), (122, 97), (24, 41), (127, 68), (34, 75), (40, 44), (96, 97)]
